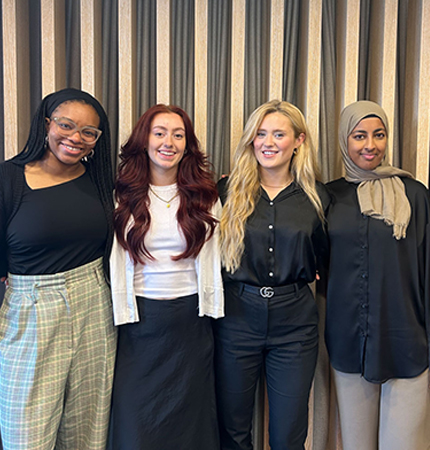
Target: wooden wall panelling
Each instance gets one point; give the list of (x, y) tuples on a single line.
[(347, 45), (310, 64), (201, 70), (16, 82), (237, 72), (383, 59), (416, 118), (126, 69), (276, 49), (163, 51), (52, 24), (91, 47)]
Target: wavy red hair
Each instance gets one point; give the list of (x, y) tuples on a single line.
[(196, 187)]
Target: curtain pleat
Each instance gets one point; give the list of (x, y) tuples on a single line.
[(146, 55), (257, 53), (218, 86), (73, 44), (110, 69), (327, 136), (182, 55), (291, 48)]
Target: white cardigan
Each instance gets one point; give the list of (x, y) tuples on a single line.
[(209, 281)]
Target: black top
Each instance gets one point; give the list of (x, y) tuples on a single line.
[(283, 238), (56, 228), (377, 301)]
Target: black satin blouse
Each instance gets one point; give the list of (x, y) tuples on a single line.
[(378, 316), (284, 237)]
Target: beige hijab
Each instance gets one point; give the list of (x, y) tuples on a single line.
[(381, 193)]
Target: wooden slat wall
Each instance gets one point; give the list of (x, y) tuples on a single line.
[(126, 78), (383, 62), (382, 65)]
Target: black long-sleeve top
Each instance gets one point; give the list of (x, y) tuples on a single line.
[(378, 317), (284, 237), (48, 230)]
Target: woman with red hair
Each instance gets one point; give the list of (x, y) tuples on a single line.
[(165, 273)]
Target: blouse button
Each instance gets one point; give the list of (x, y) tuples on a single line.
[(364, 275), (270, 249), (270, 274), (271, 203), (270, 227)]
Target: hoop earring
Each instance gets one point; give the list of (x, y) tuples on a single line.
[(89, 156), (295, 151)]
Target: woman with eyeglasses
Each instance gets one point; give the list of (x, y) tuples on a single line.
[(57, 339)]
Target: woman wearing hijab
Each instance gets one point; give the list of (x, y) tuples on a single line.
[(166, 284), (378, 315), (57, 340), (272, 235)]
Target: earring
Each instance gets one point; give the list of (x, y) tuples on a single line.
[(89, 156), (185, 151), (295, 151), (46, 141)]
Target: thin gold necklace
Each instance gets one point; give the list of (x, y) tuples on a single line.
[(162, 199), (277, 187)]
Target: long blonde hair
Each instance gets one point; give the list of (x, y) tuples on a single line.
[(243, 187)]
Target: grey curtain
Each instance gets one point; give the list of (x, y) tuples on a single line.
[(182, 58), (257, 53), (291, 50), (146, 51), (219, 85)]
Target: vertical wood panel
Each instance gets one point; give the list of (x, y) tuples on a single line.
[(201, 70), (348, 44), (423, 96), (383, 59), (276, 49), (15, 76), (10, 77), (91, 47), (311, 64), (416, 120), (237, 72), (52, 23), (163, 51), (126, 73)]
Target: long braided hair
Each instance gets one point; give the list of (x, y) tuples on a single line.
[(99, 166)]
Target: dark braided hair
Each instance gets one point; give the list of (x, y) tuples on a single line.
[(99, 166)]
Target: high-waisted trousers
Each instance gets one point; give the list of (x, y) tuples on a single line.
[(57, 355), (279, 335)]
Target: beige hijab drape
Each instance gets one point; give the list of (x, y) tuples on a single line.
[(381, 193)]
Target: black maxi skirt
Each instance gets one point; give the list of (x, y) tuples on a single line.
[(163, 394)]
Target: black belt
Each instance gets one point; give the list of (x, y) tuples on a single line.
[(268, 291)]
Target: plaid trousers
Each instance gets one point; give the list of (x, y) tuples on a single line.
[(57, 353)]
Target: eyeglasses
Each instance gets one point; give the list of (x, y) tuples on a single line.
[(67, 128)]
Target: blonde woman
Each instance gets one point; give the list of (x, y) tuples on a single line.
[(272, 235)]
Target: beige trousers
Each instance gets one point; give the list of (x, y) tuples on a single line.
[(388, 416)]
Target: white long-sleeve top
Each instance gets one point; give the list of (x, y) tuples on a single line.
[(209, 280)]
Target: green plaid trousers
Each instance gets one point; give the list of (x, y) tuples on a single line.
[(57, 354)]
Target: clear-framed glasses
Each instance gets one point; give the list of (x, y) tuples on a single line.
[(67, 128)]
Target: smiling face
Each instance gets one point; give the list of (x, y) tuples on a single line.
[(275, 142), (166, 147), (70, 150), (367, 143)]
